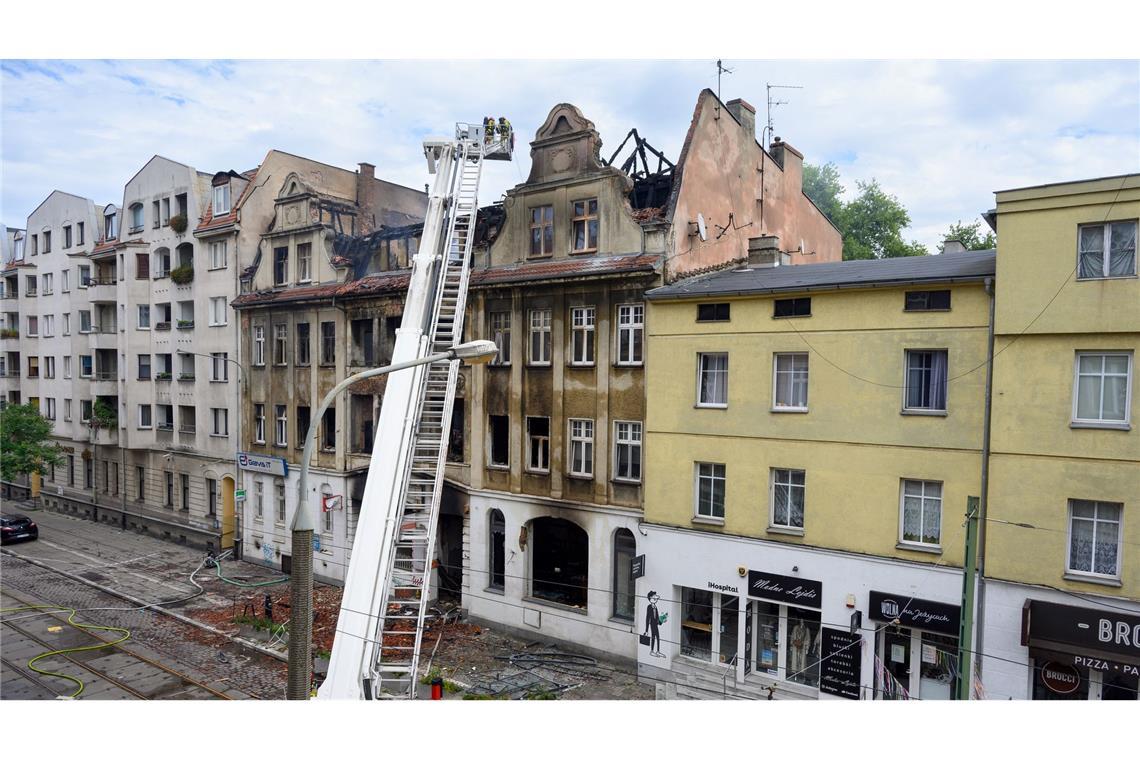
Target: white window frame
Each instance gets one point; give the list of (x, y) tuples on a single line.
[(219, 360), (628, 440), (937, 411), (143, 308), (91, 370), (698, 515), (259, 423), (65, 281), (150, 413), (775, 482), (259, 345), (1096, 520), (67, 410), (219, 254), (583, 336), (1106, 251), (223, 415), (214, 322), (221, 199), (1078, 421), (67, 367), (281, 414), (630, 322), (777, 371), (501, 334), (258, 500), (701, 373), (66, 323), (49, 325), (541, 322), (305, 263), (279, 504), (47, 285), (581, 437), (542, 467), (922, 511), (280, 344)]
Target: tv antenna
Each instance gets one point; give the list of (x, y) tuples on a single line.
[(772, 104), (720, 69)]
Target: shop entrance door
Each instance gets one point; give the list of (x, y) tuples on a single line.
[(896, 655)]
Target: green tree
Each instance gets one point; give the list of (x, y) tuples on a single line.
[(821, 184), (969, 235), (26, 448), (872, 226)]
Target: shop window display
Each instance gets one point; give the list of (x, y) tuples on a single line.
[(803, 646), (696, 623), (729, 605), (767, 637)]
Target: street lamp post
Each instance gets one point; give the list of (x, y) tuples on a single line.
[(304, 523), (237, 432)]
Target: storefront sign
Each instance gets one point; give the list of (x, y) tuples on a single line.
[(1085, 661), (1062, 679), (264, 465), (840, 662), (1080, 630), (913, 612), (638, 566), (785, 589), (748, 640)]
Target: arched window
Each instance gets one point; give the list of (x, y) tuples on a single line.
[(161, 265), (136, 217), (496, 545), (560, 561), (185, 253), (625, 547)]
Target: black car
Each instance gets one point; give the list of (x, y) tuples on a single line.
[(17, 528)]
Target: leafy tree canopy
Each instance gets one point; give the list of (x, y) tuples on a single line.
[(26, 446), (970, 235)]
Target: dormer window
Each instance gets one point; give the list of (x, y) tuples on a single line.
[(136, 218), (221, 200), (110, 228)]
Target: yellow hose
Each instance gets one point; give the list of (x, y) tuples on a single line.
[(73, 624)]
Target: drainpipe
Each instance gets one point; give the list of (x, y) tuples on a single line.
[(985, 487)]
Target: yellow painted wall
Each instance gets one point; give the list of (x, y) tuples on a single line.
[(853, 443)]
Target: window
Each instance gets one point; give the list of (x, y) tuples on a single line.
[(219, 366), (67, 410), (585, 225), (35, 245), (67, 236), (921, 512), (162, 262), (282, 425), (67, 323), (31, 285), (86, 365), (1103, 388), (539, 336), (143, 316), (218, 315), (49, 411), (501, 334), (926, 381), (165, 211), (712, 312), (48, 284), (33, 367), (259, 345), (631, 325), (496, 559), (712, 380), (499, 429), (49, 325), (927, 300), (156, 215), (84, 321), (802, 656), (627, 451), (542, 231), (79, 233), (710, 490), (787, 499), (328, 343), (625, 547), (258, 500), (790, 382), (136, 218), (33, 327), (303, 344), (211, 497), (84, 275), (1106, 250), (280, 344), (142, 266), (582, 335), (792, 307), (47, 241), (538, 444), (218, 254), (582, 448), (49, 368), (65, 281), (328, 430), (110, 227), (560, 564), (327, 514), (279, 499), (140, 483), (280, 266), (144, 366), (696, 623), (304, 262), (221, 199), (221, 421), (302, 426), (259, 423), (85, 410), (146, 416), (169, 489), (67, 367), (1094, 537)]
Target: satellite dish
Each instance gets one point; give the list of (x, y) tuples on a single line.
[(702, 231)]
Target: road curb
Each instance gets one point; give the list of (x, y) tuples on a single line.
[(140, 603)]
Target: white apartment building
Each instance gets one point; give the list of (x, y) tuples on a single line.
[(11, 259)]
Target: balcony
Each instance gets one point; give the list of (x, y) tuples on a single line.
[(185, 324), (102, 290), (186, 377), (105, 382), (10, 295), (165, 427), (104, 337), (162, 325), (190, 429), (10, 333), (163, 376)]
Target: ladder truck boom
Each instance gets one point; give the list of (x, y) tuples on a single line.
[(376, 647)]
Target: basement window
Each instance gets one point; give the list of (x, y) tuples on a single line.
[(712, 312), (927, 300), (792, 307), (500, 431)]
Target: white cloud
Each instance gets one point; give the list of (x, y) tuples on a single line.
[(942, 136)]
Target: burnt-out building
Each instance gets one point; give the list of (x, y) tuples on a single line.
[(539, 525)]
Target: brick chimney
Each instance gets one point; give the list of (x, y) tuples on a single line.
[(764, 252), (745, 114), (366, 198), (792, 162)]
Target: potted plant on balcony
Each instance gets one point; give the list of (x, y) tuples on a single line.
[(183, 275), (103, 416), (185, 324), (186, 376), (162, 376), (178, 223), (9, 332)]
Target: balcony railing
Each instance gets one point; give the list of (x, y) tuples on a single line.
[(163, 376), (9, 296), (186, 376), (187, 429), (185, 324), (166, 427), (107, 375), (162, 325), (9, 332)]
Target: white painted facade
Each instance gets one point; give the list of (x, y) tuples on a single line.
[(677, 558)]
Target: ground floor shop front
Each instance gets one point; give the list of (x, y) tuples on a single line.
[(725, 616), (1044, 644)]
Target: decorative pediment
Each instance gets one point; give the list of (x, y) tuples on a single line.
[(293, 185), (565, 146), (564, 119)]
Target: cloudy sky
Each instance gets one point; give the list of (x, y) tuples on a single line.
[(942, 136)]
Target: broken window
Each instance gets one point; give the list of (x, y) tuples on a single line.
[(362, 423), (496, 551), (455, 440), (501, 334), (500, 431), (280, 266), (303, 344), (538, 444), (542, 231), (363, 342), (328, 343), (560, 560), (625, 547), (303, 415), (585, 224), (328, 429)]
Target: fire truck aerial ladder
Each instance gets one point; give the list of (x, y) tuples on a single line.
[(376, 648)]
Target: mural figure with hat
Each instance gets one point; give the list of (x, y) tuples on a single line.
[(653, 621)]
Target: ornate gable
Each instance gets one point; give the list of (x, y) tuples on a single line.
[(565, 146)]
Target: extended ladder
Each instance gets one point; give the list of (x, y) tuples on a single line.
[(408, 577)]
